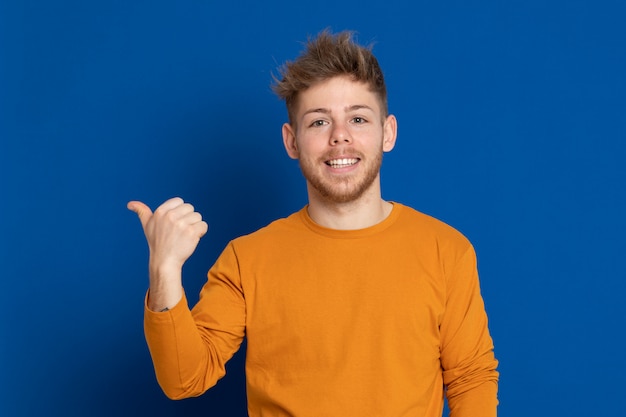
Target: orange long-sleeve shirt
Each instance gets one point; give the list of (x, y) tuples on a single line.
[(363, 322)]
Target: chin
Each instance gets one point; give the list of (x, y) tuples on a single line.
[(341, 195)]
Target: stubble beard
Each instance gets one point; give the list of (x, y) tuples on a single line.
[(342, 188)]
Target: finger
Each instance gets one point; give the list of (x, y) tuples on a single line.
[(142, 210), (201, 228), (175, 214), (192, 218), (184, 210), (170, 204)]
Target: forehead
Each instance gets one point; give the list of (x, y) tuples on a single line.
[(336, 94)]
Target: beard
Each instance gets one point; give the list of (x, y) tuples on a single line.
[(341, 188)]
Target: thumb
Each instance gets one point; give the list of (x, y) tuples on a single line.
[(142, 211)]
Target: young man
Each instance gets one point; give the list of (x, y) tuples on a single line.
[(353, 306)]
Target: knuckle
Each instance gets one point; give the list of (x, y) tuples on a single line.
[(171, 216), (190, 233)]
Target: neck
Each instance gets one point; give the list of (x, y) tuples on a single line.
[(359, 214)]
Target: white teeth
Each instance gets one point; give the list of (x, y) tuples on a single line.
[(342, 163)]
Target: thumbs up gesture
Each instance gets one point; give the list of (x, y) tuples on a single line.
[(173, 232)]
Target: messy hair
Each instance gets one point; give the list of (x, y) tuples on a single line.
[(326, 56)]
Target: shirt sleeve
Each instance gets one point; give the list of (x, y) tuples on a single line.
[(467, 358), (190, 348)]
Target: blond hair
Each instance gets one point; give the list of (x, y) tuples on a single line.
[(326, 56)]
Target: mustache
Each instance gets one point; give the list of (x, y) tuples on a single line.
[(335, 154)]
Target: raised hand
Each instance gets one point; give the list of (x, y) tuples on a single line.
[(173, 232)]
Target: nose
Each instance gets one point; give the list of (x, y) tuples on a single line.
[(340, 134)]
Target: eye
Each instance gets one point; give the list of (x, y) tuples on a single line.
[(318, 123), (358, 120)]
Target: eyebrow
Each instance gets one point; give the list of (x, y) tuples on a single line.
[(347, 109)]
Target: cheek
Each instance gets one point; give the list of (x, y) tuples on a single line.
[(311, 145)]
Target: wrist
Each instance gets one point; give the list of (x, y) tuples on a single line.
[(165, 286), (164, 266), (161, 301)]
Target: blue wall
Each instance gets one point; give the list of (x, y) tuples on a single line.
[(512, 125)]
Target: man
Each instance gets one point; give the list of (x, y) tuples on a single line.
[(353, 306)]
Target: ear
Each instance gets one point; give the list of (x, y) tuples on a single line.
[(390, 132), (289, 140)]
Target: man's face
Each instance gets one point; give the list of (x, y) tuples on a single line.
[(339, 139)]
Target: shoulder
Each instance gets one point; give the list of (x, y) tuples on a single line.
[(437, 240), (275, 231), (427, 227)]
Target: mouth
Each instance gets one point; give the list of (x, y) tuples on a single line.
[(342, 162)]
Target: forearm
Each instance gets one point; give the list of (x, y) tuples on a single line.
[(470, 367), (185, 364), (190, 349), (479, 401)]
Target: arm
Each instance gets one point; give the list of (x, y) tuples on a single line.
[(467, 348), (190, 348), (176, 345)]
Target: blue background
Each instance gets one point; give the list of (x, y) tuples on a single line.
[(512, 124)]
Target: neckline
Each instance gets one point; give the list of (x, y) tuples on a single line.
[(354, 233)]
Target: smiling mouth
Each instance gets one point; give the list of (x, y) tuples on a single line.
[(342, 163)]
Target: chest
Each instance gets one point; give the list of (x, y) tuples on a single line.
[(347, 289)]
